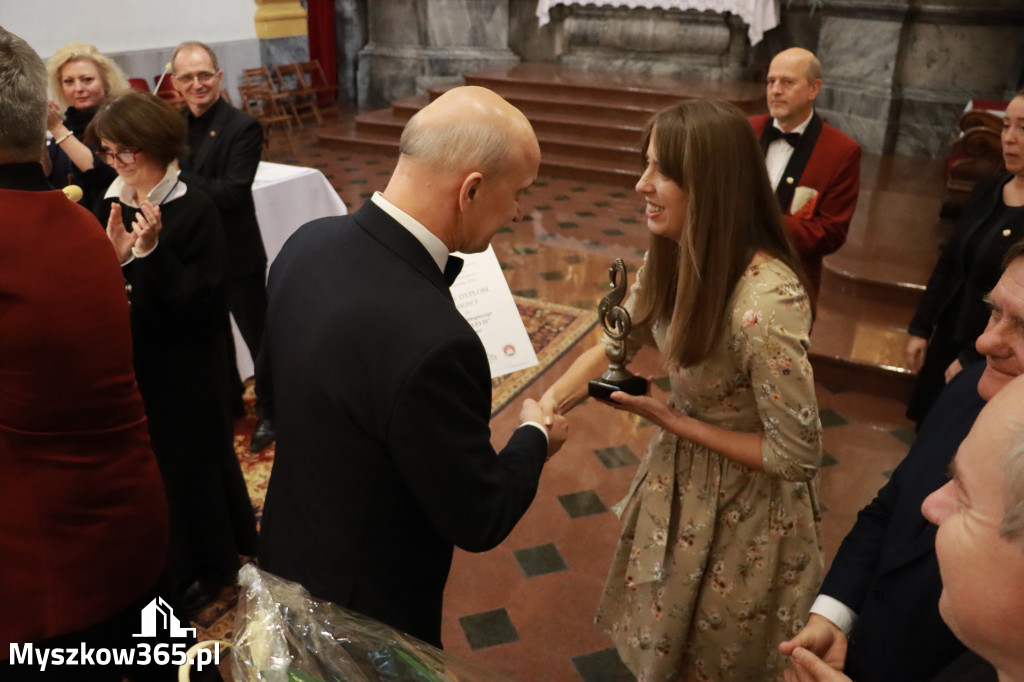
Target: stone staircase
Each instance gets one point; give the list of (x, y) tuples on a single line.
[(589, 124), (871, 285)]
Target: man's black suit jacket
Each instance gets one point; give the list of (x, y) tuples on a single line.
[(886, 569), (224, 166), (383, 396)]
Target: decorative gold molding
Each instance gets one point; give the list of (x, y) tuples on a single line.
[(280, 19)]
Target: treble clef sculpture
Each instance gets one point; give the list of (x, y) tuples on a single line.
[(617, 325), (614, 318)]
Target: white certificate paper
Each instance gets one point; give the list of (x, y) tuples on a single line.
[(482, 296)]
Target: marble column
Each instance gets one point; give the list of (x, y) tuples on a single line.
[(898, 73), (351, 31), (281, 29), (416, 44)]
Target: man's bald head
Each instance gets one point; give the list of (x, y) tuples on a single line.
[(794, 80), (466, 160), (804, 60), (466, 128)]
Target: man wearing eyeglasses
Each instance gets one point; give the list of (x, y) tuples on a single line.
[(224, 152)]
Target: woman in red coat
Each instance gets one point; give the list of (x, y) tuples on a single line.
[(83, 519)]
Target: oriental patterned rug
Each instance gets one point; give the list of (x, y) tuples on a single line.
[(553, 330)]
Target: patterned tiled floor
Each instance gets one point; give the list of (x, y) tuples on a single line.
[(525, 609)]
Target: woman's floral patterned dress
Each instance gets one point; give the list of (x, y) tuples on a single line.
[(717, 562)]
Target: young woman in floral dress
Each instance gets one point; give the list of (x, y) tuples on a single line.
[(720, 554)]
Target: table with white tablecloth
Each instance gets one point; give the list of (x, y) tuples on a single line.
[(286, 198), (759, 15)]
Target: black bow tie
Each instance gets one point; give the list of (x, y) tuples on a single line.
[(771, 134), (452, 269)]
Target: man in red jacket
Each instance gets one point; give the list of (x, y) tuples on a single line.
[(814, 168)]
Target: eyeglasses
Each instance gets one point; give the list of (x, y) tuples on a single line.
[(204, 77), (125, 157)]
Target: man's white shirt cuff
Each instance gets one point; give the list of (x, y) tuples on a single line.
[(836, 611), (539, 426)]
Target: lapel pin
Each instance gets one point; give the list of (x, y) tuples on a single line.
[(1006, 233), (213, 133), (789, 181)]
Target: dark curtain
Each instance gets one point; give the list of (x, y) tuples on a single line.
[(320, 24)]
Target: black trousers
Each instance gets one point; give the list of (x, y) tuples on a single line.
[(247, 302)]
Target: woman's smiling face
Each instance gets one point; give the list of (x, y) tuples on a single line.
[(668, 204), (83, 86)]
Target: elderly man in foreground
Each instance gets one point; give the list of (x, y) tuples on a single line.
[(382, 389), (980, 545), (881, 593)]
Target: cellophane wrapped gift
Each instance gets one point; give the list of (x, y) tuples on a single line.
[(282, 634)]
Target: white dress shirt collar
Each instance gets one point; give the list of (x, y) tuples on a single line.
[(168, 189), (430, 241), (800, 128)]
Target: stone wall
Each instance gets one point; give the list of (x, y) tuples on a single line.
[(281, 28), (351, 34), (897, 73), (416, 44)]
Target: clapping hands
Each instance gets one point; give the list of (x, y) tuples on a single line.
[(54, 116), (145, 230), (147, 226), (122, 239)]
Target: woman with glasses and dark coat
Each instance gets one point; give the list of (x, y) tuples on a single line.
[(171, 246)]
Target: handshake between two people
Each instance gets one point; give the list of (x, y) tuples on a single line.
[(556, 425), (571, 389)]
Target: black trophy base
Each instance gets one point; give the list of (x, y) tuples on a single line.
[(602, 389)]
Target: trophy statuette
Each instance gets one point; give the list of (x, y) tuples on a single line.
[(617, 325)]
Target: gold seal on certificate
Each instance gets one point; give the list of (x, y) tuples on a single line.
[(617, 325)]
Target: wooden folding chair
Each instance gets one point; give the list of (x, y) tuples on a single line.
[(293, 82), (260, 76), (317, 81), (259, 101)]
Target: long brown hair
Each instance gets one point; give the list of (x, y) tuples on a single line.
[(708, 148)]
